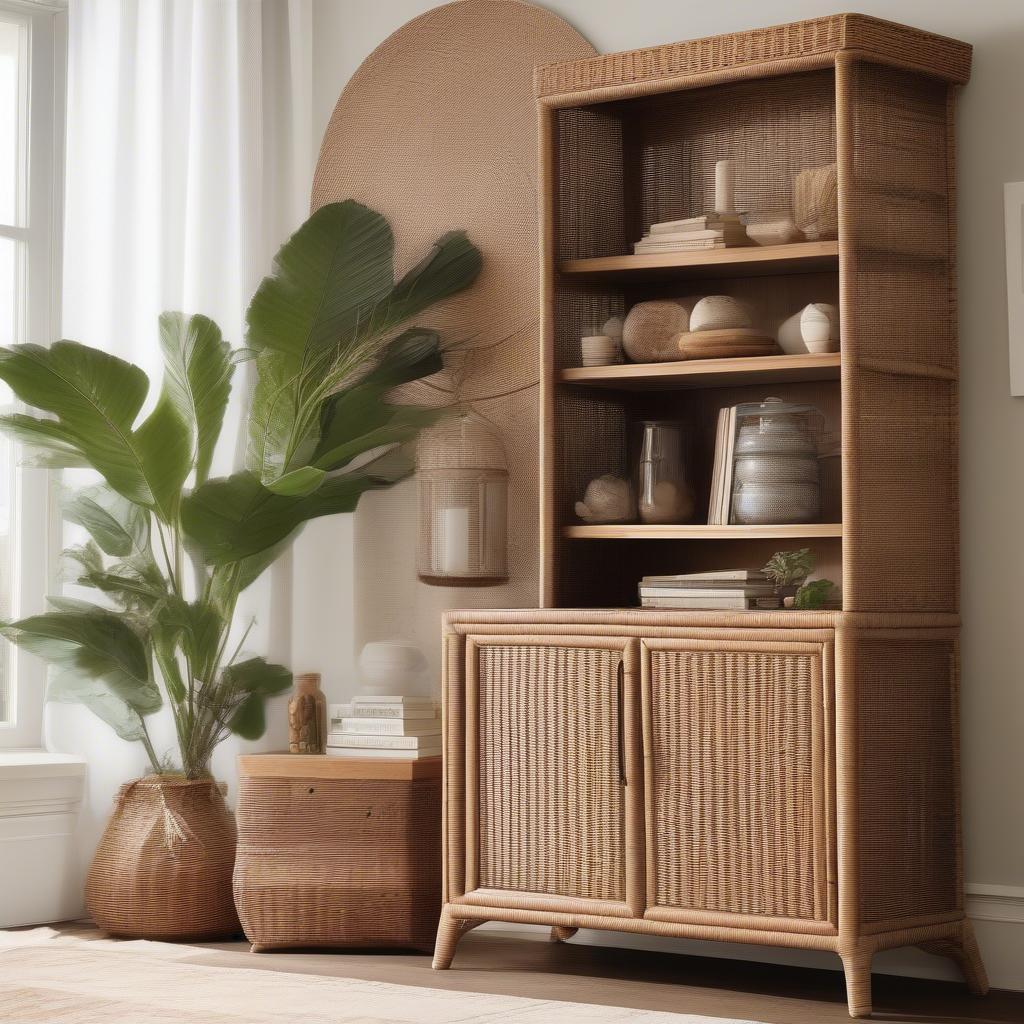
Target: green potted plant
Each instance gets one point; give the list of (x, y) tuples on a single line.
[(789, 570), (170, 550)]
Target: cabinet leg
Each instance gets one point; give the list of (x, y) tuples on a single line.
[(857, 967), (560, 934), (449, 931), (963, 950)]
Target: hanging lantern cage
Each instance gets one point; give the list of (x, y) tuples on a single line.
[(463, 487)]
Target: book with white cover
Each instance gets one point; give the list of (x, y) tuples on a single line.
[(343, 739), (711, 603), (703, 222), (387, 726), (745, 575), (396, 698), (396, 711), (709, 593), (392, 755)]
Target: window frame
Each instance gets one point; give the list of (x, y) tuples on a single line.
[(35, 534)]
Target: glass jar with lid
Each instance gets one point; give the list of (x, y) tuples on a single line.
[(775, 463)]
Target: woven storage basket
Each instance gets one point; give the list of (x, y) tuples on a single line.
[(163, 867), (331, 853)]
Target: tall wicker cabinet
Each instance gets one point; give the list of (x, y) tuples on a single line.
[(788, 777)]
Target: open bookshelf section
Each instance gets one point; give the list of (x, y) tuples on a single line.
[(619, 168)]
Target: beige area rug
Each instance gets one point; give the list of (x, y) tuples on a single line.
[(51, 978)]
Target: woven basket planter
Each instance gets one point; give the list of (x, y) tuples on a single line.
[(163, 867)]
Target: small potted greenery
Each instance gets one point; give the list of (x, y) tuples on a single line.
[(789, 570), (170, 550)]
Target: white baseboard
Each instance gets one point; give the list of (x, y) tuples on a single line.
[(997, 912)]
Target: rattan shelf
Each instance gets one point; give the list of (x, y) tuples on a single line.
[(704, 373), (697, 531), (778, 778), (746, 261)]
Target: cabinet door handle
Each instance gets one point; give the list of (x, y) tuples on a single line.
[(620, 696)]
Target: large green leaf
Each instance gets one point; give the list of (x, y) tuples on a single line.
[(319, 320), (195, 626), (358, 419), (197, 379), (326, 280), (96, 398), (135, 582), (257, 679), (117, 525), (96, 643), (47, 443), (231, 519), (71, 688)]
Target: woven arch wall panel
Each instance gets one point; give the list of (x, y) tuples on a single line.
[(437, 129), (552, 813), (739, 821), (899, 342)]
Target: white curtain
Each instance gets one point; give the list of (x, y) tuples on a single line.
[(189, 158)]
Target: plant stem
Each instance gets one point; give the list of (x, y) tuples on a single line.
[(150, 752)]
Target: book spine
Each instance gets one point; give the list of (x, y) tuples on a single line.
[(339, 711), (341, 739), (387, 726)]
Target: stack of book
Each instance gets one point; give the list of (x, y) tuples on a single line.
[(725, 589), (405, 728), (710, 231), (720, 506)]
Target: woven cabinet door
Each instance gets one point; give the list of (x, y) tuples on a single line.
[(738, 745), (553, 806)]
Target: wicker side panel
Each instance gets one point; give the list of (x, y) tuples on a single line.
[(736, 792), (339, 862), (899, 341), (908, 772), (552, 815)]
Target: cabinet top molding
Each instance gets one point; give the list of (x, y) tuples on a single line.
[(761, 52)]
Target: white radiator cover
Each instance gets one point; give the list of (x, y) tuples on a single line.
[(40, 796)]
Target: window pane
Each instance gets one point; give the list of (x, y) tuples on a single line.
[(10, 295), (12, 36)]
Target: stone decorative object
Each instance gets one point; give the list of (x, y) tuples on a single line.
[(815, 328), (608, 499), (600, 350), (650, 328), (391, 666), (819, 327), (772, 227), (725, 187), (307, 716), (816, 202), (718, 312), (612, 327)]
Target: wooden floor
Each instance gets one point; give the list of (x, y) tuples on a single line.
[(522, 965)]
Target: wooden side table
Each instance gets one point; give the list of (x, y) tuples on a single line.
[(338, 851)]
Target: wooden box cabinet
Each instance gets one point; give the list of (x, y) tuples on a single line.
[(338, 852), (785, 777)]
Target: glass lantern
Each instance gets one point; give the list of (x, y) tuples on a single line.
[(463, 485)]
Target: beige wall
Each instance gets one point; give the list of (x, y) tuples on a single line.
[(992, 471)]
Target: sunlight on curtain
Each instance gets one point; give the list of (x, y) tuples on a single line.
[(189, 156)]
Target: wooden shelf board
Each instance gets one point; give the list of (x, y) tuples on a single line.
[(700, 531), (697, 373), (324, 766), (743, 261)]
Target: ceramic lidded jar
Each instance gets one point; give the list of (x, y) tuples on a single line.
[(775, 471)]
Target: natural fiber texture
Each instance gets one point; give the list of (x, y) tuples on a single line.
[(804, 40), (338, 862), (437, 130), (550, 799), (734, 798), (162, 869), (62, 982)]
